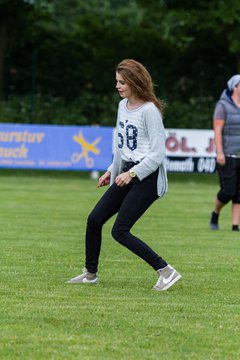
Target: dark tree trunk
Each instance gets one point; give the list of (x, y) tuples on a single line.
[(3, 43)]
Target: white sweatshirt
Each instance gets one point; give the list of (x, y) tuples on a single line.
[(140, 136)]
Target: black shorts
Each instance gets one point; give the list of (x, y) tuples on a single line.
[(229, 179)]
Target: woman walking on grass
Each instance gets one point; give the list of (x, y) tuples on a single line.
[(137, 175)]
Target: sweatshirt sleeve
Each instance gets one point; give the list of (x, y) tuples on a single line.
[(156, 135), (115, 142)]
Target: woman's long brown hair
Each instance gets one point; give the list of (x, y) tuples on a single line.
[(140, 81)]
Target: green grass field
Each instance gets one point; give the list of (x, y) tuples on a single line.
[(42, 226)]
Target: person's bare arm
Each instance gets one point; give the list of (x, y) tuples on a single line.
[(218, 127)]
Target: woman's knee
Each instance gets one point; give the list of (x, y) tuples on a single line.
[(115, 233), (93, 221), (119, 234), (225, 197)]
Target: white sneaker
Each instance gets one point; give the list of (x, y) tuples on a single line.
[(168, 277), (85, 278)]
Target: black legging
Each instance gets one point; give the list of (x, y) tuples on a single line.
[(130, 201)]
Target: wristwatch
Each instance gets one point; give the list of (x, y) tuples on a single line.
[(132, 173)]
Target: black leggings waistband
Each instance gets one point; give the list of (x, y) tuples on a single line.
[(128, 165)]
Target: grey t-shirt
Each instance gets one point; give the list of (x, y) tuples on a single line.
[(219, 112)]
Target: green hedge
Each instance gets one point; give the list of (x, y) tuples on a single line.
[(94, 109)]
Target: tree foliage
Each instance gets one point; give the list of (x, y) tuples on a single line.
[(58, 58)]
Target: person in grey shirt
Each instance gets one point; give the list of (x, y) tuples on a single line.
[(226, 124), (137, 175)]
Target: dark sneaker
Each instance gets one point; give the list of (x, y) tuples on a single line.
[(168, 277), (214, 226), (85, 278)]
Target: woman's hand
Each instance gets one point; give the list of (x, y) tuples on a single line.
[(221, 158), (104, 179), (123, 179)]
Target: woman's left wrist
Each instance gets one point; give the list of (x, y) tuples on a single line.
[(132, 173)]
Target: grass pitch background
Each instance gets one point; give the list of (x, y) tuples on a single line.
[(42, 227)]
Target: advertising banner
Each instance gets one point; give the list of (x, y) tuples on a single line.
[(55, 147), (90, 148), (190, 151)]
